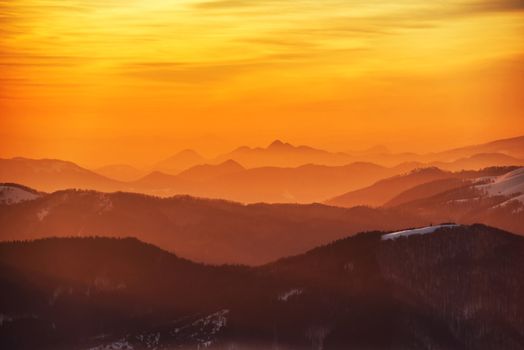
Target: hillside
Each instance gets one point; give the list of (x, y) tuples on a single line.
[(417, 184), (53, 174), (384, 190), (493, 200), (228, 180), (338, 296), (513, 147), (11, 193), (213, 231)]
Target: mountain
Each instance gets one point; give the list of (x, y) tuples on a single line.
[(212, 231), (179, 162), (281, 154), (161, 184), (492, 196), (208, 171), (52, 174), (427, 189), (285, 155), (120, 172), (304, 184), (417, 184), (14, 193), (504, 152), (445, 287), (496, 200), (290, 174), (385, 190), (513, 147), (229, 180), (479, 161), (510, 184)]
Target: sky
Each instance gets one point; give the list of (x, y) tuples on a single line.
[(135, 81)]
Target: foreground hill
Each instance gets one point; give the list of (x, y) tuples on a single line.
[(206, 230), (441, 288)]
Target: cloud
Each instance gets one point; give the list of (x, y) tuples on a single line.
[(496, 5), (226, 4), (190, 73), (207, 41)]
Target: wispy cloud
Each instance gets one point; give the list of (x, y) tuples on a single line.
[(207, 41)]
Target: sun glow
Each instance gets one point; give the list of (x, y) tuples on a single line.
[(190, 72)]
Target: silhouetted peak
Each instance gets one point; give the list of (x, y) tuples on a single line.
[(279, 144), (427, 170), (181, 160), (188, 153), (156, 175), (230, 163)]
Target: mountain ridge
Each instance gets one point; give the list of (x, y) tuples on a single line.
[(337, 296)]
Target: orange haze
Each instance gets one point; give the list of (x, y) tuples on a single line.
[(102, 82)]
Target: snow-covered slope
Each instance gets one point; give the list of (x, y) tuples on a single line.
[(12, 194), (417, 231), (510, 185)]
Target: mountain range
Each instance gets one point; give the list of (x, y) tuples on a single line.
[(281, 154), (218, 231), (280, 173), (284, 247), (227, 180), (426, 181), (231, 177), (211, 231), (443, 287)]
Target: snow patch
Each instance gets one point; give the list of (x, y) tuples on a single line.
[(519, 201), (417, 231), (509, 184), (42, 213), (213, 323), (14, 194), (518, 198), (104, 203), (117, 345), (290, 293), (207, 328), (463, 200), (151, 340)]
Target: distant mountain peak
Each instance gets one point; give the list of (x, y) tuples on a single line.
[(188, 152), (279, 144), (232, 163), (182, 160), (427, 170)]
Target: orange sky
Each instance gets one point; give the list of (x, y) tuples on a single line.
[(134, 81)]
